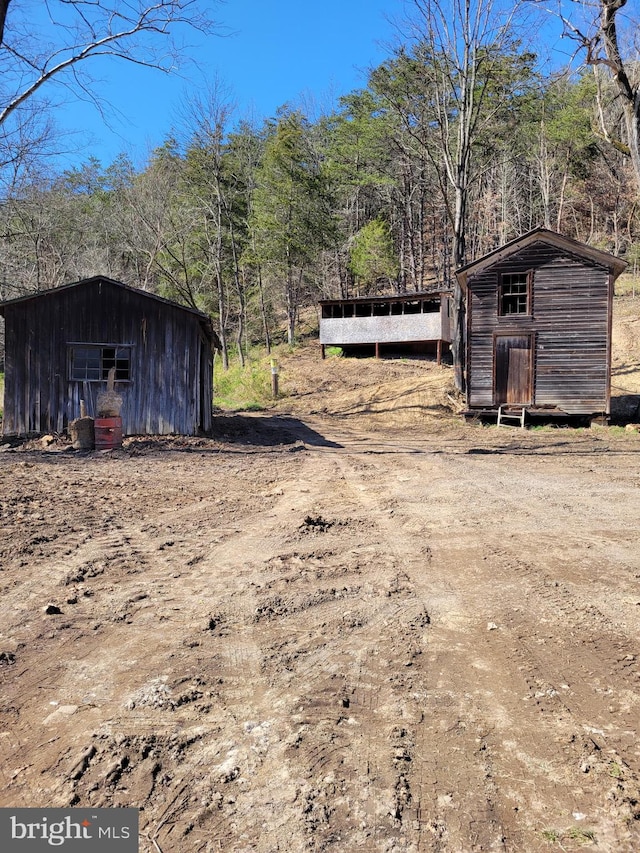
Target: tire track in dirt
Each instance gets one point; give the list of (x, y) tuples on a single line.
[(505, 661), (438, 759), (312, 666)]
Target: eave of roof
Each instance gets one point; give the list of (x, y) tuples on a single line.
[(542, 235), (396, 297), (54, 291)]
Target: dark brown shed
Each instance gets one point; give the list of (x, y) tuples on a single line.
[(538, 326), (60, 345)]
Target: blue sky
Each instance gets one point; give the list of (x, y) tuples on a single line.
[(271, 52)]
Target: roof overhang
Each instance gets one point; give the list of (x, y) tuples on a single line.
[(204, 319), (542, 235), (423, 295)]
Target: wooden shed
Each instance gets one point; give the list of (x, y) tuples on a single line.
[(538, 328), (60, 345), (417, 323)]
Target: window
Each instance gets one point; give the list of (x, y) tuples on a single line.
[(363, 310), (515, 293), (93, 363)]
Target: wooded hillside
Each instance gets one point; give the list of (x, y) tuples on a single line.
[(440, 158)]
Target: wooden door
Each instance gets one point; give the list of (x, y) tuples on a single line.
[(512, 369)]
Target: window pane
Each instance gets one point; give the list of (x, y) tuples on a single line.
[(122, 359), (514, 292), (93, 363)]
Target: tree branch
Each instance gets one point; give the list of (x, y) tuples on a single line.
[(118, 33)]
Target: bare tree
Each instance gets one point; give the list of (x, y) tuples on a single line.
[(459, 41), (599, 36), (4, 6), (56, 46)]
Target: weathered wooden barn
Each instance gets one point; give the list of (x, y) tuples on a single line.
[(412, 323), (60, 345), (538, 328)]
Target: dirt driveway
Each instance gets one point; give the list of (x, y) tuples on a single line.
[(306, 637)]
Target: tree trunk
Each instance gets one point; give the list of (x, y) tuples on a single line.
[(630, 93), (459, 254), (239, 282), (222, 334), (263, 311), (4, 5)]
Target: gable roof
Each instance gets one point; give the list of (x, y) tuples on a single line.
[(542, 235), (205, 321)]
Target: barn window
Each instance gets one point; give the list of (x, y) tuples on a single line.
[(515, 293), (93, 363)]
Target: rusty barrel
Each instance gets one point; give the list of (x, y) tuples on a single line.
[(108, 433)]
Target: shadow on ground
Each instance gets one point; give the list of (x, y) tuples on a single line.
[(625, 408), (229, 431), (266, 431)]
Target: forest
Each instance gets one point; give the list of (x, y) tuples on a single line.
[(462, 139)]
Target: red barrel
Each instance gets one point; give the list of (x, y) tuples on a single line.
[(108, 432)]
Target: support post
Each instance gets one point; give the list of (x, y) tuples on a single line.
[(274, 378)]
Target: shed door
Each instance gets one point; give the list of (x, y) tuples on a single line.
[(513, 363)]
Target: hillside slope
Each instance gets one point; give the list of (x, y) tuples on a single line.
[(406, 393)]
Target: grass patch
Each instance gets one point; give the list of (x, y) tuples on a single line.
[(627, 285), (333, 351), (576, 833), (584, 836), (243, 389), (551, 835)]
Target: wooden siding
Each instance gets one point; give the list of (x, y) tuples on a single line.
[(170, 386), (570, 316)]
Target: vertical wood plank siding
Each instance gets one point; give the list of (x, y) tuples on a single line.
[(570, 317), (170, 387)]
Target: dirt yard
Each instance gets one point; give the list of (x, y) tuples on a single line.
[(352, 623)]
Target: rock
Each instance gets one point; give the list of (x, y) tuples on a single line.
[(632, 428), (59, 714), (47, 440), (491, 626), (52, 610)]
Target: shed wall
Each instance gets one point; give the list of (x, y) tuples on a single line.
[(170, 386), (371, 330), (570, 319)]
